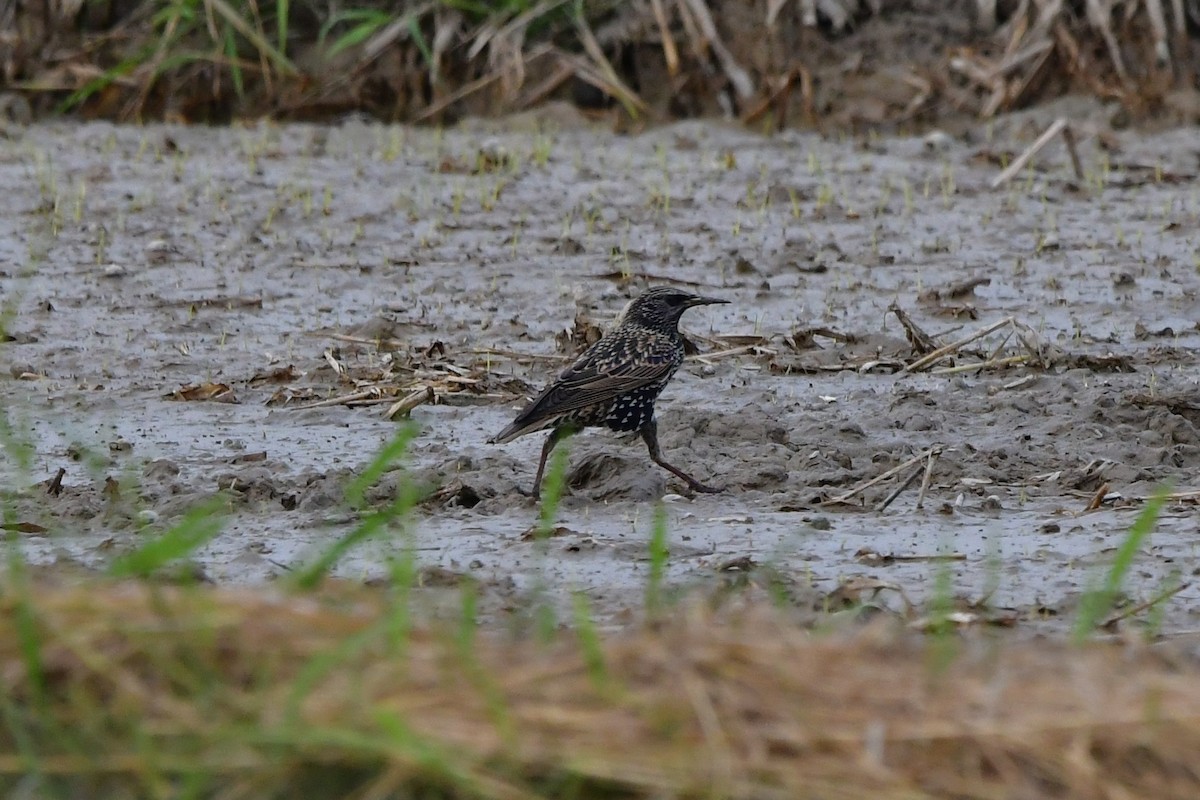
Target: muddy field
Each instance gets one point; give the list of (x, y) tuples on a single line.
[(274, 268)]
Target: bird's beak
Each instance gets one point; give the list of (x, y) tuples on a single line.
[(705, 301)]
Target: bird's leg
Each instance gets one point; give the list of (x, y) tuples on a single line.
[(650, 434), (556, 436)]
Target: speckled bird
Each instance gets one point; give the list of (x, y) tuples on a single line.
[(615, 382)]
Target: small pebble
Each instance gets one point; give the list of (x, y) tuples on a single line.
[(160, 250), (938, 141)]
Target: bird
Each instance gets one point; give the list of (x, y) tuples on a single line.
[(614, 383)]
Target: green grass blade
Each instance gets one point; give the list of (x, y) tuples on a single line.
[(399, 610), (429, 755), (392, 453), (312, 575), (475, 9), (943, 648), (26, 624), (659, 553), (414, 30), (476, 672), (589, 641), (197, 527), (18, 725), (1095, 604), (468, 618), (552, 487), (370, 21), (1156, 615), (326, 662), (235, 69), (282, 14), (255, 38), (544, 617), (106, 78), (373, 524)]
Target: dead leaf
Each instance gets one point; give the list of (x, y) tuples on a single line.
[(28, 528), (280, 375), (533, 534), (215, 392)]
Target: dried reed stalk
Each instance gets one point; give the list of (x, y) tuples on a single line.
[(256, 689)]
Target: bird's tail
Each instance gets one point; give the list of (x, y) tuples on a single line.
[(507, 435), (521, 426)]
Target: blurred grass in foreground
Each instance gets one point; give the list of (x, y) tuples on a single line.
[(125, 689)]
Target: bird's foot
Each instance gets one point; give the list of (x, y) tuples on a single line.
[(697, 486)]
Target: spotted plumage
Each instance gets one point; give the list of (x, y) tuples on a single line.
[(615, 382)]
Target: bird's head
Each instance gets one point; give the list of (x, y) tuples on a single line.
[(662, 306)]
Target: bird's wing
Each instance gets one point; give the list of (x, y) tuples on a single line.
[(600, 374)]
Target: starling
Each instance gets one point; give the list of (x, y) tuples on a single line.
[(615, 382)]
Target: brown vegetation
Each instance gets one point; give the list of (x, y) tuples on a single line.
[(822, 63), (132, 686)]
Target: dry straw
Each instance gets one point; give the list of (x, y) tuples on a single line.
[(136, 688)]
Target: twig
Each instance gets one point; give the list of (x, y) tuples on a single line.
[(616, 87), (742, 84), (381, 40), (887, 501), (670, 52), (370, 401), (538, 93), (1073, 151), (863, 487), (513, 354), (336, 365), (775, 96), (1015, 60), (366, 394), (1019, 163), (757, 349), (992, 362), (1185, 494), (869, 556), (933, 457), (808, 13), (1097, 499), (1014, 94), (930, 358), (463, 91), (413, 399), (1099, 13), (382, 344), (937, 557), (1024, 380), (1000, 347), (920, 341), (588, 73), (773, 9), (54, 489), (1166, 594)]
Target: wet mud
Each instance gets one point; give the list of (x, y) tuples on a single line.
[(185, 306)]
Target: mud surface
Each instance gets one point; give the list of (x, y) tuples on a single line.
[(273, 261)]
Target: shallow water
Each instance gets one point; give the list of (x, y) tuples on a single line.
[(139, 260)]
